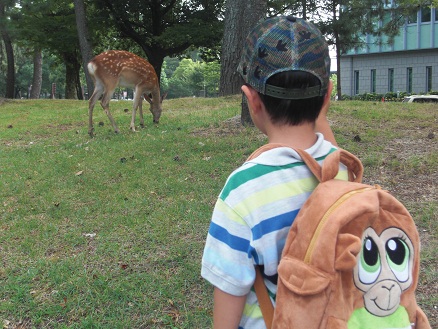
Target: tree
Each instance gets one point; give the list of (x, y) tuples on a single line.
[(180, 84), (38, 26), (37, 74), (192, 78), (286, 7), (167, 27), (84, 41), (10, 77), (211, 78), (418, 3), (240, 18)]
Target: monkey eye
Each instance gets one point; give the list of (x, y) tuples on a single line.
[(369, 264), (397, 255)]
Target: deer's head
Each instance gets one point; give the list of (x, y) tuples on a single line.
[(155, 102)]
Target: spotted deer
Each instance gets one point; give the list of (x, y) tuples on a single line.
[(121, 68)]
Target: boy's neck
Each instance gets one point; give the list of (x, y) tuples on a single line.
[(302, 136)]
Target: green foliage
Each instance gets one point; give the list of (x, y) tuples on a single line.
[(166, 28), (194, 79), (387, 97), (334, 79), (38, 25), (53, 72)]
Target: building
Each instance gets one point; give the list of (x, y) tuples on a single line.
[(409, 64)]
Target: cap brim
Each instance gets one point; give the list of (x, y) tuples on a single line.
[(284, 93)]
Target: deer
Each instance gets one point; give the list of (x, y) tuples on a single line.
[(114, 68)]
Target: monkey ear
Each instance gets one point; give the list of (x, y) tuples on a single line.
[(347, 249)]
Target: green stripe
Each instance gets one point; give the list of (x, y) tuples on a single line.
[(252, 311), (257, 171)]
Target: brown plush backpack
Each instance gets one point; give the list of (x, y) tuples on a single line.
[(351, 258)]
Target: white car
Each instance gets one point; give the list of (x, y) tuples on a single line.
[(421, 99)]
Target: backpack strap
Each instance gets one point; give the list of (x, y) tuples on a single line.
[(329, 170), (330, 167), (263, 298)]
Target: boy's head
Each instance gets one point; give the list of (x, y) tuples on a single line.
[(286, 60)]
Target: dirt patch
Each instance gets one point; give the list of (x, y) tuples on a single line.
[(228, 127)]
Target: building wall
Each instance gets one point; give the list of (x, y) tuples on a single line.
[(399, 61), (415, 47)]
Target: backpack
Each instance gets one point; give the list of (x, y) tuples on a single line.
[(351, 257)]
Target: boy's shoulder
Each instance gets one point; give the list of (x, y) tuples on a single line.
[(261, 167), (278, 154)]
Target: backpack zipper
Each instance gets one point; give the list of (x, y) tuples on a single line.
[(324, 219)]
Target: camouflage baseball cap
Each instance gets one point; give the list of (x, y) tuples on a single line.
[(285, 43)]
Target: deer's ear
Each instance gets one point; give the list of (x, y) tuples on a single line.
[(147, 98), (163, 96)]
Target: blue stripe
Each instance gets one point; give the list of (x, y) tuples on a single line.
[(274, 224), (234, 242), (252, 253)]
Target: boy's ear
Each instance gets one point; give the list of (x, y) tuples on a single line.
[(329, 91), (326, 103), (253, 98)]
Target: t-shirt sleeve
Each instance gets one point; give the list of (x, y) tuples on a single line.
[(227, 262)]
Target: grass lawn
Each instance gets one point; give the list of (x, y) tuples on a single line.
[(108, 232)]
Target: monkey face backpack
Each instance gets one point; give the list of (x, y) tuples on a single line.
[(351, 258)]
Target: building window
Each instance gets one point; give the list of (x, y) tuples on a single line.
[(425, 15), (391, 80), (409, 80), (388, 3), (387, 18), (373, 81), (412, 18), (356, 82), (428, 78)]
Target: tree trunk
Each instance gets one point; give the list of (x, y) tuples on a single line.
[(245, 117), (156, 59), (240, 18), (10, 76), (338, 71), (37, 74), (230, 80), (72, 81), (84, 42)]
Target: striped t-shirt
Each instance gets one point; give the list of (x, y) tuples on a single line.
[(251, 220)]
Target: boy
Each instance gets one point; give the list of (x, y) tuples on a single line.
[(286, 66)]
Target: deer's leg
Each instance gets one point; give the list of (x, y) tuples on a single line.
[(137, 100), (105, 105), (140, 108), (93, 99)]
